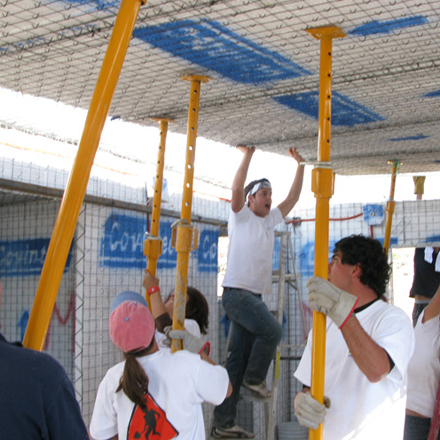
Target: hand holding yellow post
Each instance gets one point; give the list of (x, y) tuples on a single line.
[(184, 235)]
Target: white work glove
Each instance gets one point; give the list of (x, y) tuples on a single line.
[(189, 342), (335, 303), (309, 412)]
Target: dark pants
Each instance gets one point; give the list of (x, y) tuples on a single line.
[(416, 428), (255, 336)]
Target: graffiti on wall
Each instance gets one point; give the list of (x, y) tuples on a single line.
[(122, 245), (25, 257)]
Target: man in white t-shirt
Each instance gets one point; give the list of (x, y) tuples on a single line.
[(256, 332), (368, 347)]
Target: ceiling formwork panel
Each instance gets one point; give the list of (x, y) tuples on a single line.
[(264, 70)]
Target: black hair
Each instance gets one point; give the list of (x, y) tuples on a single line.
[(134, 380), (369, 254), (250, 185)]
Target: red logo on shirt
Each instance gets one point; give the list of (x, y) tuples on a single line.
[(151, 423)]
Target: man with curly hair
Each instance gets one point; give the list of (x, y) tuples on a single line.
[(368, 347)]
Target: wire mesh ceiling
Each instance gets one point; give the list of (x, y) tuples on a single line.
[(264, 70)]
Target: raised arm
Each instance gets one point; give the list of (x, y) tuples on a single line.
[(339, 306), (238, 199), (295, 190), (158, 310)]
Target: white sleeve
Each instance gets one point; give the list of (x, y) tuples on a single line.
[(104, 423), (304, 371), (395, 334), (276, 215), (212, 382)]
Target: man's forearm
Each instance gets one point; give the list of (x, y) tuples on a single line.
[(294, 193), (370, 357), (238, 200)]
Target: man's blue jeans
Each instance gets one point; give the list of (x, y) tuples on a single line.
[(255, 336), (416, 428)]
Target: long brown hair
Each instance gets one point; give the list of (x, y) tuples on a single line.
[(197, 308), (134, 380)]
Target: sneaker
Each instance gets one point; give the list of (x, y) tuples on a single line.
[(259, 390), (234, 431)]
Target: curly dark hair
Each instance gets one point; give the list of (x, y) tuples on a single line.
[(370, 255)]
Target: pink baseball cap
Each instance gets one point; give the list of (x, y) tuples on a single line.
[(131, 325)]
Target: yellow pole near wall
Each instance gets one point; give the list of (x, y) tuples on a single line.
[(322, 186), (153, 243), (419, 186), (67, 218), (391, 204), (184, 235)]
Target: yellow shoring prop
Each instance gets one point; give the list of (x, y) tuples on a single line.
[(153, 243), (184, 235), (322, 186), (391, 204), (419, 186), (73, 197)]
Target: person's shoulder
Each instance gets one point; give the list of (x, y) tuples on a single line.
[(187, 359), (34, 366), (382, 306), (116, 370), (276, 212), (391, 313), (244, 212), (185, 355), (29, 356)]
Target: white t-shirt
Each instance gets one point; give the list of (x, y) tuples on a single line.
[(178, 384), (361, 409), (424, 367), (251, 240)]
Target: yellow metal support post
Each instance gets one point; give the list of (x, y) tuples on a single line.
[(76, 186), (184, 235), (391, 204), (153, 243), (419, 186), (322, 186)]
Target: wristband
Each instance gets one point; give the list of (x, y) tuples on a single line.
[(206, 348), (153, 289)]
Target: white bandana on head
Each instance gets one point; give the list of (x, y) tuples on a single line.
[(259, 185)]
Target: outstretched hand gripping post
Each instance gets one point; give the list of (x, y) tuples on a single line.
[(184, 235)]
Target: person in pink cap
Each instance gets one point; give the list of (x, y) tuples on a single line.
[(154, 393)]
